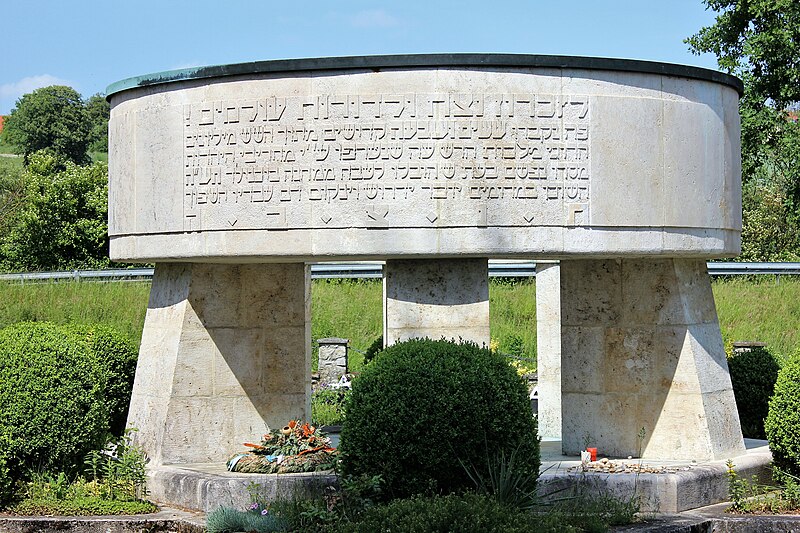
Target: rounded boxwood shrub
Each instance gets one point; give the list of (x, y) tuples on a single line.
[(117, 356), (53, 408), (783, 421), (430, 416), (753, 375)]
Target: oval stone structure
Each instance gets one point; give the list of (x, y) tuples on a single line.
[(233, 178), (415, 156)]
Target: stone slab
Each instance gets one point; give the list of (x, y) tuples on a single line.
[(695, 485), (489, 159), (436, 299), (165, 521), (207, 486)]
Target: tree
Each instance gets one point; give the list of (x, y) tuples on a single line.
[(98, 111), (759, 41), (51, 118), (62, 222)]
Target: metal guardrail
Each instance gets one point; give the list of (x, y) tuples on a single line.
[(366, 270)]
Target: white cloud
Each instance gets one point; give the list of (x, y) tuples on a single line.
[(373, 18), (10, 92)]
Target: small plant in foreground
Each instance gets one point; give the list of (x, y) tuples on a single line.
[(117, 485), (327, 405), (254, 519), (752, 497)]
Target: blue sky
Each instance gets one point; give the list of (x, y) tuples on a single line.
[(89, 44)]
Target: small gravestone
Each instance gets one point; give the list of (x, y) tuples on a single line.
[(332, 359)]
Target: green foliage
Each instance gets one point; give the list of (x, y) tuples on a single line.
[(512, 309), (783, 421), (762, 309), (753, 374), (753, 497), (118, 305), (61, 224), (505, 481), (327, 406), (117, 486), (6, 480), (228, 520), (51, 118), (118, 471), (12, 190), (117, 356), (51, 398), (59, 388), (347, 308), (374, 349), (98, 111), (454, 512), (424, 408), (759, 40), (84, 506)]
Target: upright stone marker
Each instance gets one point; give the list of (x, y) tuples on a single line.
[(627, 171)]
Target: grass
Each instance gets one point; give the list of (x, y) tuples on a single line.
[(763, 309), (6, 148), (121, 305), (759, 310)]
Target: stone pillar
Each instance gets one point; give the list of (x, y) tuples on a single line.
[(225, 353), (548, 347), (332, 359), (436, 298), (644, 371)]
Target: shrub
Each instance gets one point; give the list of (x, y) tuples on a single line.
[(228, 520), (374, 349), (783, 421), (6, 483), (425, 412), (454, 512), (753, 375), (53, 386), (117, 356)]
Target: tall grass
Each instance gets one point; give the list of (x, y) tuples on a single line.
[(760, 310), (122, 305)]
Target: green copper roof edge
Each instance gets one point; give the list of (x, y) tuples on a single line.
[(413, 61)]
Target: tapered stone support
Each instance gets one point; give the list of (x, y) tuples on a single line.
[(225, 353), (643, 365), (548, 348), (435, 299)]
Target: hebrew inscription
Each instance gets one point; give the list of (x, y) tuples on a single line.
[(408, 160)]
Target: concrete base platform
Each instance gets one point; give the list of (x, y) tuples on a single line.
[(165, 521), (207, 486), (680, 485)]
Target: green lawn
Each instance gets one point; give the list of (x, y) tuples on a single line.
[(761, 310)]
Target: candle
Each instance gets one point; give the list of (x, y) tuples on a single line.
[(593, 453)]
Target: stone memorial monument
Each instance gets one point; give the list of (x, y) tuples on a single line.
[(232, 179)]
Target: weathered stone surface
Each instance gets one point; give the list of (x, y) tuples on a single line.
[(415, 161), (548, 348), (332, 359), (225, 353), (643, 366), (436, 299)]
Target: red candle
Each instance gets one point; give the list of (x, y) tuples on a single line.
[(593, 453)]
